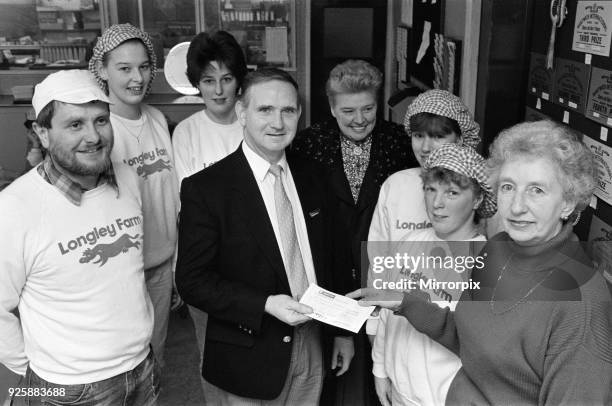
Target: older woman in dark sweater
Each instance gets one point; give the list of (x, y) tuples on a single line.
[(361, 151), (539, 327)]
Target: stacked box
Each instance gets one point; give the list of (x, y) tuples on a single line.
[(571, 84), (599, 105), (541, 80)]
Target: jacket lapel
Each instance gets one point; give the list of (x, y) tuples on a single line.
[(252, 209), (311, 202)]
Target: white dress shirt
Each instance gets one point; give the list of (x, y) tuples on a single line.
[(265, 182)]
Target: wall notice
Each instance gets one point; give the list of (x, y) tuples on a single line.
[(603, 168), (592, 27)]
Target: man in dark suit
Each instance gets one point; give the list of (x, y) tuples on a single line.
[(255, 230)]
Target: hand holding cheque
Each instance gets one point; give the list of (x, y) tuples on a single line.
[(335, 309)]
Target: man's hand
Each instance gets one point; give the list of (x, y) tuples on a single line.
[(387, 298), (287, 310), (175, 299), (344, 350), (383, 390)]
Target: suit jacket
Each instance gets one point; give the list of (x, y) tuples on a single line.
[(391, 151), (229, 262)]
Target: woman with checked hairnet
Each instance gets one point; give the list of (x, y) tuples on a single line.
[(409, 367), (124, 64), (434, 118)]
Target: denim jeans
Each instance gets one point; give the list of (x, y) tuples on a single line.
[(138, 387)]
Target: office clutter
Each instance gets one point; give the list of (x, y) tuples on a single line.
[(423, 53), (576, 89)]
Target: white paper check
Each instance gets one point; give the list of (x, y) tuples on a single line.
[(335, 309)]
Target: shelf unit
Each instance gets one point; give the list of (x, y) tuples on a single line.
[(265, 30)]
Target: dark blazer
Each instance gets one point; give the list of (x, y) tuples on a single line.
[(391, 151), (229, 262)]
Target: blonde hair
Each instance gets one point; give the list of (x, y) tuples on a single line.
[(353, 76)]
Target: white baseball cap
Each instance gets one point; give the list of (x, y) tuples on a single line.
[(76, 86)]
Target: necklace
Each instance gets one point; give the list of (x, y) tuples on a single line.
[(129, 131), (521, 300)]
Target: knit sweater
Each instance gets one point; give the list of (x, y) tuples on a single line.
[(538, 334)]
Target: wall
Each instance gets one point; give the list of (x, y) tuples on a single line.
[(462, 22)]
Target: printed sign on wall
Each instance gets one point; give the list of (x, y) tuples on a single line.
[(571, 84), (600, 237), (599, 104), (540, 78), (592, 27), (603, 168)]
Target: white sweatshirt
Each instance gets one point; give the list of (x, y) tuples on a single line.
[(143, 151), (199, 142), (420, 369), (76, 275), (400, 210)]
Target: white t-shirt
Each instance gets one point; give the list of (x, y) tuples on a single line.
[(76, 275), (420, 369), (143, 151), (199, 142)]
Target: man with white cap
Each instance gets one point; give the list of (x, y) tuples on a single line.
[(71, 262)]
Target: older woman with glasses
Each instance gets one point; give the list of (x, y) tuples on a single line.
[(538, 328)]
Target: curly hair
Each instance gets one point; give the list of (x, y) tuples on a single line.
[(553, 141), (353, 76)]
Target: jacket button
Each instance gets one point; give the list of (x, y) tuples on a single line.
[(287, 339)]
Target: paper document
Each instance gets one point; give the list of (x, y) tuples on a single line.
[(276, 45), (335, 309)]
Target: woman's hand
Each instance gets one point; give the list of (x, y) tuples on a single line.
[(383, 390), (344, 350), (386, 298)]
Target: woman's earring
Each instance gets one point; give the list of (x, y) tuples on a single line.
[(576, 219)]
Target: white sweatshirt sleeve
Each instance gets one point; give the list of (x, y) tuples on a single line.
[(12, 280), (181, 152), (378, 348), (379, 231)]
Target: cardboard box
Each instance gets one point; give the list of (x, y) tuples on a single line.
[(571, 84), (540, 79), (599, 105)]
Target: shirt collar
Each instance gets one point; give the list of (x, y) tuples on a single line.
[(259, 165), (69, 188)]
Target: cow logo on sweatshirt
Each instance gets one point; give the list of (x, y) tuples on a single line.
[(150, 162), (119, 237)]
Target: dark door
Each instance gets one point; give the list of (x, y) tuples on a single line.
[(341, 30)]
